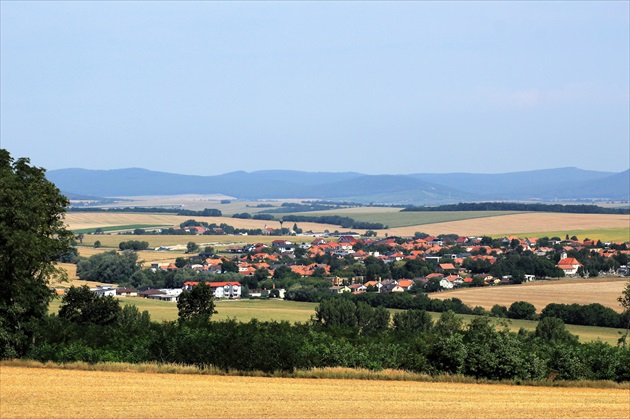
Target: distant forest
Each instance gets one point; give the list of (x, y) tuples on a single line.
[(513, 206)]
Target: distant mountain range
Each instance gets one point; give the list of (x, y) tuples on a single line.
[(567, 184)]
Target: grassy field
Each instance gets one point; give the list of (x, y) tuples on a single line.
[(604, 291), (291, 311), (60, 393)]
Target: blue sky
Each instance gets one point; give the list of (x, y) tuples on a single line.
[(393, 87)]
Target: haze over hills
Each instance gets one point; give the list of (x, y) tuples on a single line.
[(546, 185)]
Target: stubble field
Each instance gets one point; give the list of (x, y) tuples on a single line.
[(599, 226), (53, 393), (604, 291)]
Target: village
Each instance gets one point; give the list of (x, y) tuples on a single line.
[(350, 263)]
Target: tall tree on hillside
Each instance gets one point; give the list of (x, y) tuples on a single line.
[(32, 236)]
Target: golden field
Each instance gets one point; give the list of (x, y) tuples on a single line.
[(57, 393), (82, 220), (604, 291), (516, 224)]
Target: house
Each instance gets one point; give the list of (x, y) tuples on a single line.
[(166, 294), (104, 291), (338, 289), (357, 288), (446, 284), (220, 289), (126, 292), (443, 267), (406, 284), (392, 287), (375, 284), (570, 266)]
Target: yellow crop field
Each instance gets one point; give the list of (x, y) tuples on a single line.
[(604, 291), (83, 220), (57, 393), (523, 222)]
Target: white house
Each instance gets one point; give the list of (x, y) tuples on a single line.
[(104, 291)]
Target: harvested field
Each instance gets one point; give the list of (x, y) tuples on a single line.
[(392, 217), (83, 220), (604, 291), (522, 222), (57, 393)]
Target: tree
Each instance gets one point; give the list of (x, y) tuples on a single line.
[(552, 329), (109, 267), (196, 304), (82, 306), (32, 236), (97, 244), (192, 247), (624, 302), (522, 310)]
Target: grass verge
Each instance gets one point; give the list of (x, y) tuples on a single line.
[(337, 373)]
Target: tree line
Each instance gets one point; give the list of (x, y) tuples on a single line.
[(514, 206)]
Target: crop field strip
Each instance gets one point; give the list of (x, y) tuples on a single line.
[(57, 393), (88, 220), (291, 311), (511, 224), (604, 291), (392, 217), (616, 234)]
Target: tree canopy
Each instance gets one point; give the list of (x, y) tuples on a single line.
[(32, 236)]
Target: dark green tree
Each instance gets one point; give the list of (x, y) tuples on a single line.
[(522, 310), (109, 267), (196, 304), (413, 321), (82, 306), (192, 247), (32, 236)]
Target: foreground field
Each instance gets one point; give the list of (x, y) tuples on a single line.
[(55, 393), (291, 311), (604, 291)]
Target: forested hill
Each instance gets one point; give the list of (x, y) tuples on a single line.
[(414, 189)]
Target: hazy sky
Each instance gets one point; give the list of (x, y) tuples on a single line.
[(208, 87)]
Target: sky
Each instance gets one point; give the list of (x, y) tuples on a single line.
[(206, 88)]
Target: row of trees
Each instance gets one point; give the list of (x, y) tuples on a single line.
[(514, 206)]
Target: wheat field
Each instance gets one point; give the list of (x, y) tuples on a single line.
[(57, 393), (604, 291), (523, 222)]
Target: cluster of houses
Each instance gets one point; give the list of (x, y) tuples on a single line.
[(252, 257)]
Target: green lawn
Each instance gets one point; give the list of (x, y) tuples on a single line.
[(279, 310)]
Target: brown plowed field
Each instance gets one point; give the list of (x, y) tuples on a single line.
[(51, 393), (604, 291)]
